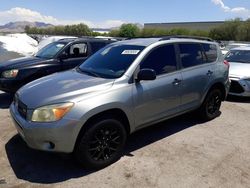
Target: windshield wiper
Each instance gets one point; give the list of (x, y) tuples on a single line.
[(89, 72)]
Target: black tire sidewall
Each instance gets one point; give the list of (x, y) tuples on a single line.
[(81, 153), (204, 109)]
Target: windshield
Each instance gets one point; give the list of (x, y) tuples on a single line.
[(50, 50), (240, 56), (112, 61)]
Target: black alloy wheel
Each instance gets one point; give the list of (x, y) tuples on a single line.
[(214, 103), (102, 144), (210, 108)]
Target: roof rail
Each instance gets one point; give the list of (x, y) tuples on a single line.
[(69, 38), (89, 38), (185, 37)]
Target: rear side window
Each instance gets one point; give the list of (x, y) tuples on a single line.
[(210, 52), (191, 54), (95, 46), (161, 60)]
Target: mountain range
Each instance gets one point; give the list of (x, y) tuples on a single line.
[(14, 27), (19, 27)]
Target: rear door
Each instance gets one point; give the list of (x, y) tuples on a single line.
[(196, 74), (160, 98), (76, 53)]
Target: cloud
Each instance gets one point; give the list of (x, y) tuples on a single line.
[(23, 14), (236, 10)]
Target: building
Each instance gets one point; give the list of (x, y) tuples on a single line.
[(100, 30), (204, 26)]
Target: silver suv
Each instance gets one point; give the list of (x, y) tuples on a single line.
[(128, 85)]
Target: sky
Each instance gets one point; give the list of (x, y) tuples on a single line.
[(113, 13)]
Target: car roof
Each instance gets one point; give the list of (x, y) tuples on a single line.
[(242, 48), (85, 39), (138, 42), (148, 41), (237, 44)]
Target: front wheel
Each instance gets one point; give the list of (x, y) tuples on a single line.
[(101, 144), (210, 108)]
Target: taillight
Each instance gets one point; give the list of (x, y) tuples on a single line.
[(226, 63)]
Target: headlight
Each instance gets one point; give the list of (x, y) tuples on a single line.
[(51, 113), (10, 73)]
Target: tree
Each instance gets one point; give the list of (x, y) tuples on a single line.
[(129, 30), (228, 31), (243, 33), (154, 32), (75, 30), (114, 33), (27, 29)]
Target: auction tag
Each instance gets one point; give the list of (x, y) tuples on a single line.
[(130, 52), (60, 45)]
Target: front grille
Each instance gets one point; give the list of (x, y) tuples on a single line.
[(22, 109), (236, 87)]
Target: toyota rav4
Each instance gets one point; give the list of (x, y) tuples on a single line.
[(90, 111)]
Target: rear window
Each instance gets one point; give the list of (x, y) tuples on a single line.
[(191, 54), (210, 52)]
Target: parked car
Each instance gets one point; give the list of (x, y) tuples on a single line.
[(231, 46), (47, 40), (58, 56), (239, 73), (124, 87)]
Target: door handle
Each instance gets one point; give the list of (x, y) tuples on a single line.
[(209, 73), (176, 81)]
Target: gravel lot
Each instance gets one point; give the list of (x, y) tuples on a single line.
[(182, 152)]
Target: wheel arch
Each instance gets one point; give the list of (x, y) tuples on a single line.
[(217, 85), (115, 113)]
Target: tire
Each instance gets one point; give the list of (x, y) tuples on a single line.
[(210, 108), (101, 144)]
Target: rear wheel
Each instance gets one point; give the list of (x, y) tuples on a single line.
[(101, 144), (210, 108)]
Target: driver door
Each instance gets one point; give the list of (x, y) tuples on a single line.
[(157, 99)]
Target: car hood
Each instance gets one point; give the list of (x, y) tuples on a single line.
[(239, 70), (20, 62), (61, 87)]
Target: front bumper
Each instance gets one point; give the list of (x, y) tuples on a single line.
[(239, 87), (57, 136)]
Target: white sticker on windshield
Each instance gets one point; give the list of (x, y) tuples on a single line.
[(130, 52), (60, 45)]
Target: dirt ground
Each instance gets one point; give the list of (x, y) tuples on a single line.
[(182, 152)]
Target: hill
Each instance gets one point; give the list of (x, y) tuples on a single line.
[(17, 27)]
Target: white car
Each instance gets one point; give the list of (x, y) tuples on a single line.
[(239, 72), (231, 46)]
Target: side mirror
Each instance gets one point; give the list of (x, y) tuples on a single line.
[(146, 74)]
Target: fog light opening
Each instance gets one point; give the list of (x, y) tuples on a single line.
[(49, 145)]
